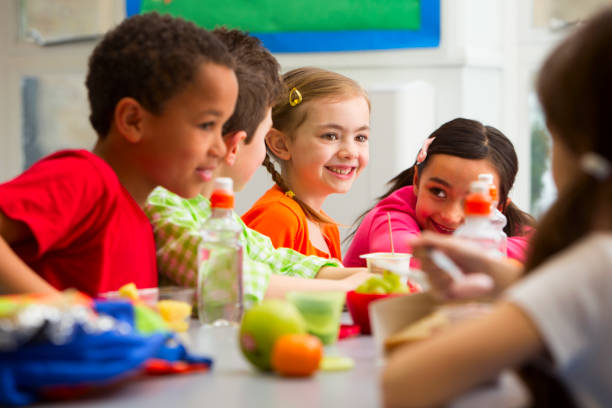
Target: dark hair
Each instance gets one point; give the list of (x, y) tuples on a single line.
[(150, 58), (574, 88), (259, 80), (470, 139), (313, 84)]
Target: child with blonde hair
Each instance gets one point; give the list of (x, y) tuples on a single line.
[(319, 137)]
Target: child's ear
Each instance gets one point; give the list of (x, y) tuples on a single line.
[(276, 141), (415, 180), (232, 142), (129, 115)]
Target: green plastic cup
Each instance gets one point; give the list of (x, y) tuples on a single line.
[(321, 311)]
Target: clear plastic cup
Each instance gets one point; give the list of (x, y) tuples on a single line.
[(321, 311), (179, 293), (394, 262)]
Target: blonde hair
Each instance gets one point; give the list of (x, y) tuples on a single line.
[(312, 84)]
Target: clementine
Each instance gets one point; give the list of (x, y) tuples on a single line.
[(297, 355)]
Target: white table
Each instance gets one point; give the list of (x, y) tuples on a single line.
[(232, 382)]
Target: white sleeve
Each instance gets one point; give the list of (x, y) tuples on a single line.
[(568, 298)]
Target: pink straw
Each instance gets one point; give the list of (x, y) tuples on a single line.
[(390, 232)]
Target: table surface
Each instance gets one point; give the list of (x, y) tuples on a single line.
[(234, 383)]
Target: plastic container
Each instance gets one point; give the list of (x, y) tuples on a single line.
[(179, 293), (358, 303), (321, 311), (150, 296), (477, 226), (220, 289), (498, 219), (397, 263)]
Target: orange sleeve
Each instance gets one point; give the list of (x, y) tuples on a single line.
[(278, 222)]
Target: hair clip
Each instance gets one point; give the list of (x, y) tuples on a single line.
[(295, 97), (595, 166), (423, 152), (289, 193)]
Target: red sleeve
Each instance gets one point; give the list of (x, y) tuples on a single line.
[(57, 198), (279, 223)]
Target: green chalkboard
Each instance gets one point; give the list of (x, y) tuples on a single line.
[(269, 16)]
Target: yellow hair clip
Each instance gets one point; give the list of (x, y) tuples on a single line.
[(295, 97), (289, 193)]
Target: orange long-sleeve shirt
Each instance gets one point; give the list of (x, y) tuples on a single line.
[(283, 220)]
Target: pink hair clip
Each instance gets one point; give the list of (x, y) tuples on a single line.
[(423, 152)]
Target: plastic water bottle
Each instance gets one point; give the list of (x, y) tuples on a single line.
[(498, 219), (477, 226), (220, 290)]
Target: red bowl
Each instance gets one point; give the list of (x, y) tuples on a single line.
[(357, 304)]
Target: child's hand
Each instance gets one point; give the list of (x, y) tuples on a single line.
[(483, 275)]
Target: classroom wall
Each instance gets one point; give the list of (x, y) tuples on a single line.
[(482, 69)]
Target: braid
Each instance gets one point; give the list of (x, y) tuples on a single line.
[(311, 213), (276, 177)]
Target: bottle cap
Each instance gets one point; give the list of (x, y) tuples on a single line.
[(223, 193), (478, 202), (488, 178)]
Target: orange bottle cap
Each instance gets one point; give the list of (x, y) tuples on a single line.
[(477, 204), (221, 199)]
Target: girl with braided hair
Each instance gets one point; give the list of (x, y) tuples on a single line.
[(319, 138)]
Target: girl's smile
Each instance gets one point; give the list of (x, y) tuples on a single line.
[(441, 189), (329, 148)]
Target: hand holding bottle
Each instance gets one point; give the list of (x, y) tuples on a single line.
[(483, 275)]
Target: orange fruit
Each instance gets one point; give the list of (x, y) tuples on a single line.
[(297, 355)]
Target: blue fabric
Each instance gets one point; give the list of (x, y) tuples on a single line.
[(86, 359), (428, 35), (121, 310)]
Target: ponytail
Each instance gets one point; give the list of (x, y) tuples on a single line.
[(517, 219)]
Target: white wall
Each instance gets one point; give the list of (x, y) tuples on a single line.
[(482, 69)]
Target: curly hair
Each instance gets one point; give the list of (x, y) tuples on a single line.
[(259, 80), (150, 58)]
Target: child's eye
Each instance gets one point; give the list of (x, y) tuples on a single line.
[(329, 136), (438, 192), (206, 125), (361, 138)]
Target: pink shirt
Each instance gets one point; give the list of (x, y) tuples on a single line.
[(373, 232)]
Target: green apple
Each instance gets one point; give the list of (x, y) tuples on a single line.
[(263, 324)]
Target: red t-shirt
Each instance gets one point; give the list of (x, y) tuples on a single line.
[(88, 231)]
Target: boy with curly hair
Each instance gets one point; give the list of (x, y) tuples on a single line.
[(160, 90)]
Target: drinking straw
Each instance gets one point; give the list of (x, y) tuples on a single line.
[(390, 232)]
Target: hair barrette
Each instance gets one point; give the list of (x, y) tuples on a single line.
[(423, 152), (289, 193), (295, 97)]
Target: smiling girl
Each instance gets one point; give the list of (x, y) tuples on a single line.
[(429, 195), (320, 140)]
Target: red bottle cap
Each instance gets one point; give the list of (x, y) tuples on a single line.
[(221, 199), (477, 204)]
